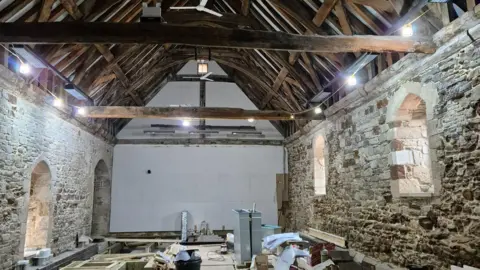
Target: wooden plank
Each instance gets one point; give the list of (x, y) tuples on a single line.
[(364, 17), (318, 20), (185, 16), (380, 63), (245, 7), (312, 72), (131, 33), (444, 13), (193, 113), (4, 57), (72, 9), (323, 12), (342, 18), (385, 5), (276, 85), (328, 237), (141, 240), (46, 10), (389, 59)]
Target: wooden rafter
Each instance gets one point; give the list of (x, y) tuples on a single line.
[(276, 85), (202, 36), (193, 113), (46, 10)]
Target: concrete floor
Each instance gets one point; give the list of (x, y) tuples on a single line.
[(211, 260)]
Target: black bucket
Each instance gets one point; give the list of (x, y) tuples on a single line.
[(192, 264)]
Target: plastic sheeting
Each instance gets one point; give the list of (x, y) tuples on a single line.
[(273, 241)]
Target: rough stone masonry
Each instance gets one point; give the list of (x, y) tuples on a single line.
[(363, 200), (32, 132)]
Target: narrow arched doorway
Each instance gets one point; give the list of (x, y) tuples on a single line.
[(101, 200), (38, 218)]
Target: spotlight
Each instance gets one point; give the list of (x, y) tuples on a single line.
[(318, 110), (251, 120), (352, 80), (24, 68), (81, 111), (57, 102), (292, 116), (186, 123), (407, 30)]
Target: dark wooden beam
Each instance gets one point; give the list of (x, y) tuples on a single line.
[(78, 32), (193, 113), (245, 7)]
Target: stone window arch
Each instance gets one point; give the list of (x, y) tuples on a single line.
[(409, 115), (319, 166)]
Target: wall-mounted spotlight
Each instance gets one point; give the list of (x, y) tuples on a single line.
[(251, 120), (351, 80), (81, 111), (24, 68), (407, 30), (58, 103), (186, 123), (318, 110)]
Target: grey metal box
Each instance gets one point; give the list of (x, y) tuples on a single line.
[(247, 235)]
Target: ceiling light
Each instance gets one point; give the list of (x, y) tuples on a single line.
[(292, 116), (186, 123), (24, 68), (202, 67), (318, 110), (81, 111), (57, 102), (407, 30), (352, 80), (251, 120)]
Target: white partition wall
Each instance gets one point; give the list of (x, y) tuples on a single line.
[(208, 181)]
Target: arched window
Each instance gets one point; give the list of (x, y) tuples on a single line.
[(38, 218), (101, 200), (319, 169), (410, 159)]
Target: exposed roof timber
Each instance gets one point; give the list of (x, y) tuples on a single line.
[(202, 36), (367, 58), (194, 113), (184, 16), (58, 73)]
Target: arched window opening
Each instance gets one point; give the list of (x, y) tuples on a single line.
[(319, 173), (409, 159), (101, 200), (38, 219)]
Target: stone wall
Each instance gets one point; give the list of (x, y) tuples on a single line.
[(363, 201), (33, 132)]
